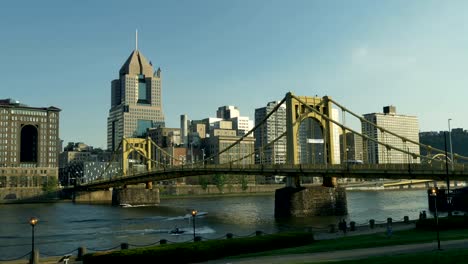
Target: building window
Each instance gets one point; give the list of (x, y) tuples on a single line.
[(143, 90)]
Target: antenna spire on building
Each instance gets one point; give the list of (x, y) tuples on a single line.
[(136, 39)]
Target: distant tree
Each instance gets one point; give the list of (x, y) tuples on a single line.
[(244, 182), (219, 180), (51, 185), (203, 181), (436, 140)]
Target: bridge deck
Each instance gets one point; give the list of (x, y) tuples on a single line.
[(364, 171)]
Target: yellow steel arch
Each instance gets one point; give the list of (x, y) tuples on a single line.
[(297, 110), (141, 145)]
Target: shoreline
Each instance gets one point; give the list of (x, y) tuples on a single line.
[(164, 196)]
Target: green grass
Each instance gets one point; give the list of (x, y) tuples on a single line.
[(433, 257), (366, 241), (271, 245)]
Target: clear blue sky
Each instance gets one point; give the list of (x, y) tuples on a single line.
[(364, 54)]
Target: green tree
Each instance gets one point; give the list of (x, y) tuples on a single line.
[(219, 180), (50, 185), (244, 182), (203, 182)]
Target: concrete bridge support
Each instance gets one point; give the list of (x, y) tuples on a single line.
[(98, 197), (310, 201), (126, 196), (135, 196)]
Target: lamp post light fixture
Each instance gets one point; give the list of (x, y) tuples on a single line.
[(33, 221), (194, 214), (434, 195)]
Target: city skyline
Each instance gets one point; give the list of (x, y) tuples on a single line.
[(363, 54)]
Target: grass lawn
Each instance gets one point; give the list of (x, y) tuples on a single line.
[(433, 257), (366, 241), (289, 243)]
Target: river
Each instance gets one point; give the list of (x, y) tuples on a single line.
[(65, 226)]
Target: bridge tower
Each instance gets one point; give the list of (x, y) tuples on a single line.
[(295, 200), (141, 145), (297, 110)]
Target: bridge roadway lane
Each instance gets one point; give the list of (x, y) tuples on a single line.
[(363, 171)]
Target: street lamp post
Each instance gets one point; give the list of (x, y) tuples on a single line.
[(33, 221), (194, 214), (434, 195), (449, 201), (450, 141)]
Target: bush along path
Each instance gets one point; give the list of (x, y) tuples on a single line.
[(202, 250)]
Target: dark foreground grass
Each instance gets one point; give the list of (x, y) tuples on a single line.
[(433, 257), (201, 251), (269, 245), (367, 241)]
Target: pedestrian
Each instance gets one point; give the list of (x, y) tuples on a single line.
[(340, 225), (389, 230), (343, 226)]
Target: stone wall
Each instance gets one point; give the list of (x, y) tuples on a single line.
[(101, 197), (310, 201), (213, 189), (135, 196), (24, 194)]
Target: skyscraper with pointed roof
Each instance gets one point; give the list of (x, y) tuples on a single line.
[(136, 102)]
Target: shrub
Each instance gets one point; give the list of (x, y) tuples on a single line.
[(201, 251)]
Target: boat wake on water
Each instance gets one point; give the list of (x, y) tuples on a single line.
[(189, 231)]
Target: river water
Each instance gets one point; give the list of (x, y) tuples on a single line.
[(65, 226)]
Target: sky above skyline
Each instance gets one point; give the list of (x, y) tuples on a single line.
[(364, 54)]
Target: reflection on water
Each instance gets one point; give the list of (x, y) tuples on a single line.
[(63, 227)]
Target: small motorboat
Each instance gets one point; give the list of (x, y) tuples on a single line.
[(176, 231)]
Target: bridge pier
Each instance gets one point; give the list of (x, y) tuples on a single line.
[(135, 196), (310, 201), (329, 182), (97, 197)]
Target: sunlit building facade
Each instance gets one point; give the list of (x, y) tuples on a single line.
[(403, 125), (136, 102), (29, 144), (271, 129)]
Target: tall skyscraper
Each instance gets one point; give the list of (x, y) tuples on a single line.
[(227, 112), (136, 102), (274, 126), (184, 124), (406, 126)]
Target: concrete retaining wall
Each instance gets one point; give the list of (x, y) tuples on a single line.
[(100, 197), (212, 189), (24, 194), (310, 201), (135, 196)]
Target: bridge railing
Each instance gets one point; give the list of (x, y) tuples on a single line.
[(321, 169)]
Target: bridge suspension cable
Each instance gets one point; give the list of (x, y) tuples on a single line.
[(388, 146), (404, 139)]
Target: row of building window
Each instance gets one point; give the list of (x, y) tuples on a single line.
[(24, 181), (28, 112)]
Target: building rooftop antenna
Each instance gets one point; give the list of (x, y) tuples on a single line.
[(136, 39)]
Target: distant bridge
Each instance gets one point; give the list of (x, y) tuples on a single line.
[(140, 160), (363, 171)]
